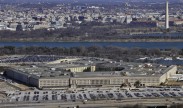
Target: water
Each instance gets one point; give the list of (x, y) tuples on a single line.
[(171, 62), (161, 45)]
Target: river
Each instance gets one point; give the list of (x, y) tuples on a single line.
[(161, 45)]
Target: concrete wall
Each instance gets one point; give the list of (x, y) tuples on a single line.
[(114, 81), (34, 81), (55, 82), (168, 72), (17, 75), (81, 69)]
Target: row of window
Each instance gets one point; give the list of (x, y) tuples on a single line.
[(83, 82), (54, 81), (101, 82), (54, 84), (78, 69)]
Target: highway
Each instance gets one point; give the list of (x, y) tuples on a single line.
[(93, 104)]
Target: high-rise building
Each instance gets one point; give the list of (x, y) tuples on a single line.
[(167, 16)]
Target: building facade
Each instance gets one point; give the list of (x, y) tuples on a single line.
[(91, 80)]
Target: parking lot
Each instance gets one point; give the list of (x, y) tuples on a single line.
[(63, 96), (29, 58)]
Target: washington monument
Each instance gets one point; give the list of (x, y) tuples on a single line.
[(167, 16)]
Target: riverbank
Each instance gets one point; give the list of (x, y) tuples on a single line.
[(159, 45), (111, 40)]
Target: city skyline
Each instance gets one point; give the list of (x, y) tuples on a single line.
[(24, 1)]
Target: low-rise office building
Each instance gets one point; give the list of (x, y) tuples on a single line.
[(116, 79), (46, 78)]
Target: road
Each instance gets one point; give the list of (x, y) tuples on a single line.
[(106, 103)]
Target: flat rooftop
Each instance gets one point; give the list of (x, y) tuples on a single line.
[(57, 68), (49, 71)]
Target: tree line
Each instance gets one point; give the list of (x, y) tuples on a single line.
[(87, 31), (111, 52)]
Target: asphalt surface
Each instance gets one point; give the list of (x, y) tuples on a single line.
[(95, 104), (93, 95)]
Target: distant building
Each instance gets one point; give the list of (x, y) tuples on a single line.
[(120, 19), (19, 27), (176, 22), (12, 26), (128, 19), (161, 24), (3, 27)]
